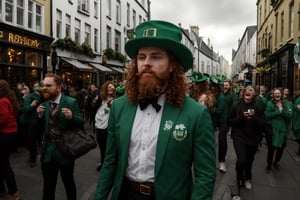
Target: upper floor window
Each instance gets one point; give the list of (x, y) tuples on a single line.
[(291, 20), (108, 37), (83, 5), (128, 14), (38, 18), (118, 12), (96, 40), (9, 10), (87, 33), (282, 27), (77, 31), (68, 26), (117, 41), (133, 18), (20, 12), (58, 23), (108, 11), (30, 15), (96, 8)]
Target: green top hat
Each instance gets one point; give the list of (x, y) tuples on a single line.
[(215, 80), (160, 34), (198, 77)]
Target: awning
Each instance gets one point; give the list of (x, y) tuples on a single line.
[(118, 69), (78, 65), (101, 67)]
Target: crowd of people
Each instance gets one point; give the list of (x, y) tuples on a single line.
[(156, 131)]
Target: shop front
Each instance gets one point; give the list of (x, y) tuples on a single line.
[(76, 73), (23, 55)]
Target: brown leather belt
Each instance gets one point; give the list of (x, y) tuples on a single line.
[(146, 188)]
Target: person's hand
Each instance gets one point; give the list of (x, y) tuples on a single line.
[(67, 112), (247, 115), (279, 105), (40, 110), (34, 103)]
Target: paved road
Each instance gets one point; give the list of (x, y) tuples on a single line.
[(282, 184)]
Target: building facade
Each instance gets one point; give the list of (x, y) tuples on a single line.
[(278, 30), (99, 26), (244, 58), (25, 40)]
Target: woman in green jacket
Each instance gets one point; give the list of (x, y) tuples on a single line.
[(296, 120), (279, 113)]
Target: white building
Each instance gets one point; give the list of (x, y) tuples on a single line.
[(244, 58), (102, 24)]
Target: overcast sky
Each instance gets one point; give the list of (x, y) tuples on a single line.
[(223, 21)]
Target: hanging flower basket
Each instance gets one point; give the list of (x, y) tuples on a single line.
[(262, 70)]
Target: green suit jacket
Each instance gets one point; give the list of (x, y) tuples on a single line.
[(50, 150), (186, 142)]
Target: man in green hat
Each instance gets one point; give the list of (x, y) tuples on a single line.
[(151, 148)]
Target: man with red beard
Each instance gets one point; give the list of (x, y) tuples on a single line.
[(151, 148), (57, 112)]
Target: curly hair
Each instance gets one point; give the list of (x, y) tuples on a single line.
[(177, 86), (5, 91), (199, 89), (104, 88), (281, 98)]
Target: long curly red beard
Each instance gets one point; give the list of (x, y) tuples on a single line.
[(149, 86)]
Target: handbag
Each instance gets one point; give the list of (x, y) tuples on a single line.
[(76, 142)]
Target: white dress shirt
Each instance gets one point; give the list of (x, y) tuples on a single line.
[(143, 142), (102, 115)]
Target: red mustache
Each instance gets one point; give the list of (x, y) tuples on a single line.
[(149, 71)]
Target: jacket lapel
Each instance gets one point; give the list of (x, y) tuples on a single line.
[(127, 123), (167, 124)]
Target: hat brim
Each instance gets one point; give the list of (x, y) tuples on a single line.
[(204, 78), (180, 51)]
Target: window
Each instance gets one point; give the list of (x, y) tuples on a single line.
[(282, 27), (9, 11), (38, 18), (133, 18), (117, 41), (118, 12), (96, 40), (30, 15), (96, 9), (77, 31), (291, 19), (298, 17), (58, 23), (84, 5), (87, 34), (108, 37), (68, 26), (0, 14), (128, 14), (20, 12), (140, 19), (108, 11)]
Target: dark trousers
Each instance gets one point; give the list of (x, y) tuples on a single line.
[(101, 135), (33, 140), (7, 176), (50, 173), (223, 130), (127, 193), (271, 152), (245, 157)]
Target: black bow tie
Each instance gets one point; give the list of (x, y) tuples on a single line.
[(153, 101)]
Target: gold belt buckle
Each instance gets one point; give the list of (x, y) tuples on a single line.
[(145, 189)]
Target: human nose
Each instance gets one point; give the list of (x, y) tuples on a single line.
[(147, 61)]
